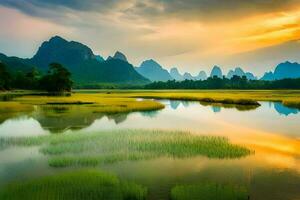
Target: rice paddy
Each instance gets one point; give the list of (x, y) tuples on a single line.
[(91, 149), (77, 185)]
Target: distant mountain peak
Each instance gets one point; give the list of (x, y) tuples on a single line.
[(174, 72), (120, 56), (152, 63), (57, 38), (216, 71), (153, 71)]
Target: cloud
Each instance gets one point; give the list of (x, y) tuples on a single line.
[(188, 33), (152, 9)]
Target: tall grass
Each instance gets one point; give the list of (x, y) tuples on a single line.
[(78, 185), (112, 146), (209, 191)]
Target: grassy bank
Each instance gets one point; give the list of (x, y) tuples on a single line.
[(91, 149), (241, 97), (76, 110), (78, 185)]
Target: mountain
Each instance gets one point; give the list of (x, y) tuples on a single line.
[(250, 76), (284, 70), (240, 72), (99, 58), (80, 60), (153, 71), (216, 71), (16, 64), (268, 76), (176, 75), (287, 70), (188, 76), (118, 55), (201, 76), (59, 50)]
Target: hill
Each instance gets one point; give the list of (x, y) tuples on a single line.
[(153, 71)]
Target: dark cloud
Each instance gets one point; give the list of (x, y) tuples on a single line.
[(25, 5), (207, 9)]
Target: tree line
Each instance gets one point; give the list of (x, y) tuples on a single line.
[(56, 80), (236, 82)]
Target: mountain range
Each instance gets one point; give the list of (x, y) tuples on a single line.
[(79, 59), (88, 68), (282, 71)]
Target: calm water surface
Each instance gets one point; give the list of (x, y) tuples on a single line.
[(272, 130)]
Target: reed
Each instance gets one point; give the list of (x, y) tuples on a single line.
[(77, 185), (209, 191), (91, 149)]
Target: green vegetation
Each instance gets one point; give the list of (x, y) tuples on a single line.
[(78, 185), (113, 146), (235, 82), (57, 80), (209, 191), (5, 77)]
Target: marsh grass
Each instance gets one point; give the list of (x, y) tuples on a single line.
[(209, 191), (77, 185), (113, 146), (94, 103), (241, 97)]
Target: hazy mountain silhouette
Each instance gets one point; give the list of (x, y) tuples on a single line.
[(283, 70), (176, 75), (188, 76), (201, 76), (240, 72), (216, 71), (153, 71)]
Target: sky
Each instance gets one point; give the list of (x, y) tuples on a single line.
[(192, 35)]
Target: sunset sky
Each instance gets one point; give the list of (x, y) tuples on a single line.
[(189, 34)]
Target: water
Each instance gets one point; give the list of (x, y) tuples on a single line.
[(272, 130)]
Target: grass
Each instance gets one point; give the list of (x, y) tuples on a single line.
[(86, 103), (78, 185), (82, 149), (242, 97), (209, 191)]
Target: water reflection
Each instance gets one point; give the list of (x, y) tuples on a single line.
[(281, 109), (272, 130), (177, 114)]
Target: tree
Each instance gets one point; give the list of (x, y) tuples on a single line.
[(58, 79), (5, 78)]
